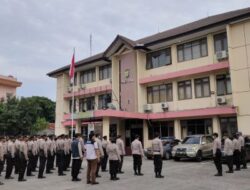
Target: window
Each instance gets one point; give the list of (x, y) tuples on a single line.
[(86, 104), (228, 125), (220, 42), (105, 72), (87, 76), (223, 84), (192, 50), (103, 101), (185, 90), (202, 87), (158, 58), (70, 106), (159, 93), (164, 128), (197, 126)]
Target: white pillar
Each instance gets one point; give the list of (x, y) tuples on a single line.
[(105, 127), (177, 129), (216, 126)]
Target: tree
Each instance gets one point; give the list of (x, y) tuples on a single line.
[(39, 125), (25, 115)]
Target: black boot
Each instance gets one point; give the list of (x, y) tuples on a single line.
[(139, 171)]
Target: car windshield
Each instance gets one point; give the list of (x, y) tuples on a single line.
[(191, 140)]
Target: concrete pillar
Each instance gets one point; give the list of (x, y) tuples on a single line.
[(145, 134), (216, 125), (177, 129), (105, 127)]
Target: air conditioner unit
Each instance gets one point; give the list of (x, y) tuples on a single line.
[(69, 89), (111, 106), (164, 106), (221, 55), (82, 86), (221, 100), (147, 108)]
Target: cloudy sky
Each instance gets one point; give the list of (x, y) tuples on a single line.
[(37, 36)]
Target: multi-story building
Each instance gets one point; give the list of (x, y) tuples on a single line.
[(193, 79), (8, 85)]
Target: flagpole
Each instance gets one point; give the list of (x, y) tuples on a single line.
[(73, 100)]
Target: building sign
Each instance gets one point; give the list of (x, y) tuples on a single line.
[(83, 115)]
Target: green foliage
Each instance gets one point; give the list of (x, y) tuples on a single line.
[(26, 115), (39, 125)]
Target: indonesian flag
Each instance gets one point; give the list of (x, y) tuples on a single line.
[(72, 67)]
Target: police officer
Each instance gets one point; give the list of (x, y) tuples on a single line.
[(1, 157), (92, 157), (99, 143), (50, 155), (17, 145), (243, 150), (158, 154), (105, 157), (77, 157), (228, 150), (236, 154), (23, 158), (122, 153), (66, 153), (217, 154), (10, 158), (31, 157), (137, 152), (114, 158), (42, 157), (60, 155), (35, 153)]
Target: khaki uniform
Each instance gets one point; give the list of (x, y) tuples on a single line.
[(157, 147), (105, 157), (60, 155), (216, 146), (121, 149), (43, 154), (136, 147), (23, 158), (243, 151), (228, 151), (158, 153), (217, 155), (114, 158), (137, 152)]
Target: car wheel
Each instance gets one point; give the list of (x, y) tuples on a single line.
[(199, 156), (167, 156), (176, 159)]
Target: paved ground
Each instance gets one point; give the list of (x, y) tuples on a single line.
[(183, 175)]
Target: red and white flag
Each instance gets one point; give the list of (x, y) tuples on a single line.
[(72, 67)]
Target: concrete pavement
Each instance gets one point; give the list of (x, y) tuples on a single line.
[(183, 175)]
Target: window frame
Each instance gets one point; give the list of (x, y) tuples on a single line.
[(84, 75), (106, 67), (168, 87), (202, 83), (220, 37), (185, 89), (182, 47), (149, 64), (225, 78), (101, 99)]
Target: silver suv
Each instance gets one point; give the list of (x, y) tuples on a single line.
[(194, 146)]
